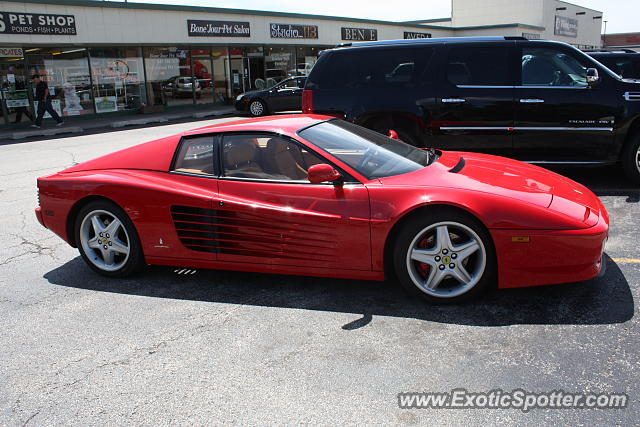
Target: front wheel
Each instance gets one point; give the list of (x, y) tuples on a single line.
[(445, 257), (257, 108), (631, 159), (107, 240)]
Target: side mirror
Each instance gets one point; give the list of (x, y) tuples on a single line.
[(322, 173), (393, 135), (592, 76)]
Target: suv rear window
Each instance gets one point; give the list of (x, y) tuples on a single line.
[(479, 66), (371, 68)]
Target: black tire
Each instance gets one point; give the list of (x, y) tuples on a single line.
[(257, 108), (125, 234), (424, 229), (631, 158)]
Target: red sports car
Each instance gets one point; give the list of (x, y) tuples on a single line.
[(314, 195)]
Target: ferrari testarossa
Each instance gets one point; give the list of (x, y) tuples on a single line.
[(318, 196)]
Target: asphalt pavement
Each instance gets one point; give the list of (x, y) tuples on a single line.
[(209, 347)]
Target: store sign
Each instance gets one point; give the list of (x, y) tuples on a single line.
[(9, 52), (199, 28), (531, 36), (359, 34), (37, 23), (412, 35), (292, 31), (566, 27)]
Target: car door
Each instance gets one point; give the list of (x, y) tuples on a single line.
[(179, 212), (287, 95), (559, 117), (474, 107), (269, 213)]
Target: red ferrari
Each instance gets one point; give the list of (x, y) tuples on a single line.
[(314, 195)]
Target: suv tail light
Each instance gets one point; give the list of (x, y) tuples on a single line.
[(307, 101)]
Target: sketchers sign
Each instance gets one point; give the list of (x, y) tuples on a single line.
[(37, 23), (359, 34), (198, 28), (292, 31)]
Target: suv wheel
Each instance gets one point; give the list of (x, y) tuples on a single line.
[(631, 159)]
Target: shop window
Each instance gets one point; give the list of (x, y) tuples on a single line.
[(66, 71), (117, 79), (165, 66), (279, 64)]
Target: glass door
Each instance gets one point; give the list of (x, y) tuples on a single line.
[(14, 83)]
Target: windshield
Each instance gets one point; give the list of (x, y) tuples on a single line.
[(369, 153)]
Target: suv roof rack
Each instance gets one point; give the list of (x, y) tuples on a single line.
[(430, 40), (611, 50)]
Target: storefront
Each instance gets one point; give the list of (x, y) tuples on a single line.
[(97, 80), (101, 57)]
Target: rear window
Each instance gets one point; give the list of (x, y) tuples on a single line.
[(196, 156), (370, 68)]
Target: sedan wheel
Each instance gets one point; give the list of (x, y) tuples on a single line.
[(107, 239), (444, 258), (257, 108)]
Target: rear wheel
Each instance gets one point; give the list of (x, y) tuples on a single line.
[(631, 159), (445, 257), (107, 239)]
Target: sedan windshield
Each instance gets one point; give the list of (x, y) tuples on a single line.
[(369, 153)]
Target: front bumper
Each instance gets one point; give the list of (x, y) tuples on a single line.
[(241, 105), (551, 256)]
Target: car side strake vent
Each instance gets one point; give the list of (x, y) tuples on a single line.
[(196, 227), (458, 167), (632, 96)]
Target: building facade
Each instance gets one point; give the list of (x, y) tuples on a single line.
[(108, 57)]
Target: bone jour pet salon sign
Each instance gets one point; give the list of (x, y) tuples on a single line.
[(292, 31), (37, 23), (199, 28)]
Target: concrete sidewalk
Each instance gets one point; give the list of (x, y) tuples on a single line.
[(79, 125)]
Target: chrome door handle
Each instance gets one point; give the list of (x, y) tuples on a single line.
[(531, 101), (453, 100)]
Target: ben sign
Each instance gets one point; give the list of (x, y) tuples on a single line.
[(359, 34), (37, 23)]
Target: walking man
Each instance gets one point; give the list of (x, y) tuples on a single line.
[(44, 102)]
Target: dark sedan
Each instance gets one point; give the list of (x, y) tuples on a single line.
[(284, 96)]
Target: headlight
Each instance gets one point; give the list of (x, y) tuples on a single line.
[(239, 97)]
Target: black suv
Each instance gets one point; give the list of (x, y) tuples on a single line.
[(624, 62), (540, 101)]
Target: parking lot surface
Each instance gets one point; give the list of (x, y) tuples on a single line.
[(175, 346)]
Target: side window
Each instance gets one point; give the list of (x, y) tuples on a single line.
[(266, 157), (375, 68), (550, 67), (196, 155), (479, 66)]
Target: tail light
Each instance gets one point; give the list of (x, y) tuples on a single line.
[(307, 101)]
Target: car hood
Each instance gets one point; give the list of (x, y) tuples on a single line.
[(507, 178), (252, 93)]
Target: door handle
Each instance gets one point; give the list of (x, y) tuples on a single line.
[(453, 100), (531, 101)]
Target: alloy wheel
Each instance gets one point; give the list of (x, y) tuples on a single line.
[(446, 259), (105, 240), (256, 108)]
